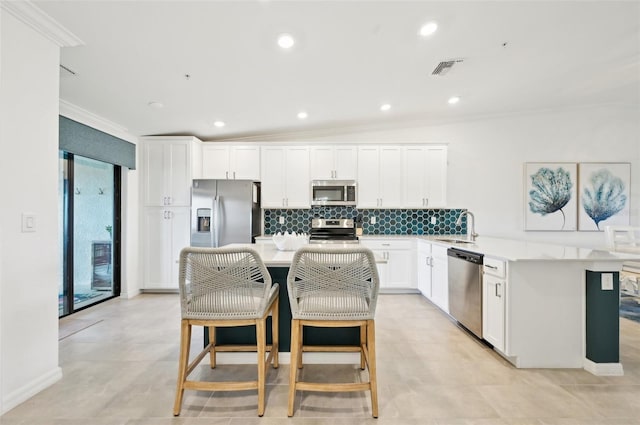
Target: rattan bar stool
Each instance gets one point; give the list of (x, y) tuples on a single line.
[(223, 287), (333, 288)]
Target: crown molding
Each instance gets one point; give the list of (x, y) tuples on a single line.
[(37, 19), (83, 116)]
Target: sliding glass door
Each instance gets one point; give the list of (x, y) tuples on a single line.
[(90, 210)]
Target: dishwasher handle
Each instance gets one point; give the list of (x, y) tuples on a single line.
[(471, 257)]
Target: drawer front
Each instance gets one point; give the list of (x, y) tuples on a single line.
[(387, 244), (494, 267)]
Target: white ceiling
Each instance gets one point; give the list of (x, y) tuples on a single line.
[(350, 57)]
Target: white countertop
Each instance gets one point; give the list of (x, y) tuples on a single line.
[(515, 250), (273, 257)]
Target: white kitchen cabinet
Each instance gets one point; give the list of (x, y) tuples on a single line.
[(333, 162), (440, 277), (494, 284), (380, 177), (397, 273), (166, 232), (167, 170), (425, 176), (231, 162), (423, 268), (285, 177)]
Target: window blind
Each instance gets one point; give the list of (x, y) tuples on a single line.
[(80, 139)]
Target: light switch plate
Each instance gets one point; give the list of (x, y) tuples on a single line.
[(28, 222), (281, 219), (607, 281), (433, 220), (373, 220)]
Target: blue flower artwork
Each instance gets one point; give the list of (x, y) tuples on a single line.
[(551, 192), (604, 197)]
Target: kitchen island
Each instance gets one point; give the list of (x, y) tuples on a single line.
[(278, 263)]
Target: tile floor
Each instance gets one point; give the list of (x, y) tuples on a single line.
[(121, 370)]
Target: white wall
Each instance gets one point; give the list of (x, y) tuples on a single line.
[(486, 157), (29, 174)]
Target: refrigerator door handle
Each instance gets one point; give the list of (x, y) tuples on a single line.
[(216, 220)]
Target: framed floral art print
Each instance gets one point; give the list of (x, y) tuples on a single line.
[(550, 196), (603, 191)]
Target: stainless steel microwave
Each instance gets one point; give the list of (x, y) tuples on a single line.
[(333, 192)]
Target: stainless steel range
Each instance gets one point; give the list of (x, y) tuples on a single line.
[(333, 230)]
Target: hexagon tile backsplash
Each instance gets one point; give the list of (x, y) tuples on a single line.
[(388, 222)]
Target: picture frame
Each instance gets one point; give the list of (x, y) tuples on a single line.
[(603, 195), (550, 196)]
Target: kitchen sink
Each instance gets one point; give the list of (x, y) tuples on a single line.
[(460, 241)]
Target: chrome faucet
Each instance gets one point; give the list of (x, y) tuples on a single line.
[(471, 235)]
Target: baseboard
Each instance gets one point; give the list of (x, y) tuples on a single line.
[(603, 369), (27, 391), (285, 358), (129, 295), (160, 291)]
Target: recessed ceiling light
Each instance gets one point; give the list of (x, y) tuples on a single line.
[(385, 107), (427, 29), (286, 41), (453, 100), (155, 104), (302, 115), (219, 124)]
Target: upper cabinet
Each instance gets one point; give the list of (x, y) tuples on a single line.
[(230, 162), (425, 169), (333, 162), (167, 169), (380, 176), (285, 177)]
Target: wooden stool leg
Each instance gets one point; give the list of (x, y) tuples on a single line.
[(261, 338), (212, 350), (183, 363), (275, 332), (301, 344), (373, 380), (295, 347), (363, 342)]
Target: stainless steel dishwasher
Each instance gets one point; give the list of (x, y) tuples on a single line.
[(465, 288)]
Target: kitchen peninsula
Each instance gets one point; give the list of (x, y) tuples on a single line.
[(556, 306)]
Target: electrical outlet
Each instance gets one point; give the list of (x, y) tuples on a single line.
[(281, 219), (607, 281), (433, 220), (373, 220)]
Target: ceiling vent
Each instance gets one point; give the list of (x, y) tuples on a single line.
[(66, 72), (444, 67)]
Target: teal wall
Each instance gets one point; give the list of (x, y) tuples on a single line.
[(388, 221)]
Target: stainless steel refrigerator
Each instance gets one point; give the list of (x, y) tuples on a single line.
[(224, 212)]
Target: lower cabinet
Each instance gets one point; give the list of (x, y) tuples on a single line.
[(166, 231), (397, 273), (439, 277), (423, 268), (494, 287)]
